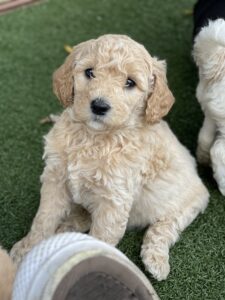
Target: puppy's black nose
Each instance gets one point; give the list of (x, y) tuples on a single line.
[(99, 106)]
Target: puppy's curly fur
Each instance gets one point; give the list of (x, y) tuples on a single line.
[(209, 54), (125, 168)]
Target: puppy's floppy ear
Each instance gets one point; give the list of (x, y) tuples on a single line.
[(63, 80), (161, 98)]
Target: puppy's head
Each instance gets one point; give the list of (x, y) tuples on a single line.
[(209, 51), (113, 81)]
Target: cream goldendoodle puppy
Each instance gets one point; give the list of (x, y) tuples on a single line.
[(209, 54), (111, 162)]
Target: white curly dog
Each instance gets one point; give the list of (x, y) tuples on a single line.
[(209, 54)]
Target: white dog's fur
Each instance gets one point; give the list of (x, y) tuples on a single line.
[(209, 54), (124, 169)]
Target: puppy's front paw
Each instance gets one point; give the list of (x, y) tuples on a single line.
[(157, 263), (19, 250)]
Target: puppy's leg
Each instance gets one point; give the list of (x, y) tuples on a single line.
[(163, 234), (109, 221), (79, 220), (54, 205), (217, 153), (205, 139)]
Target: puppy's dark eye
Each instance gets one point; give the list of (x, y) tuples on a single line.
[(130, 83), (89, 73)]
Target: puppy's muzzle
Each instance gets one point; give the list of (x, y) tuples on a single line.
[(99, 107)]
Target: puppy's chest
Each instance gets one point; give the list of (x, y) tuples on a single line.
[(102, 171), (114, 168)]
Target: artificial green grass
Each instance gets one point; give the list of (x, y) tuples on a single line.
[(31, 47)]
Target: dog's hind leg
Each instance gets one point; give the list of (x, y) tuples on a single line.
[(164, 233)]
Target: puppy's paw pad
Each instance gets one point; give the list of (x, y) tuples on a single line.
[(156, 263)]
